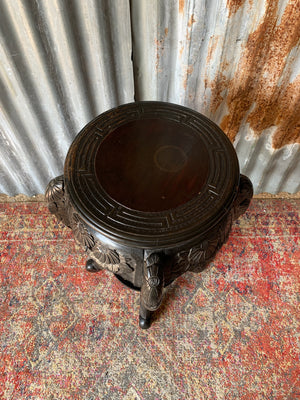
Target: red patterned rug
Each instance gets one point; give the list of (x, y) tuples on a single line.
[(229, 333)]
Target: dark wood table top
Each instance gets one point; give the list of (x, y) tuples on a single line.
[(151, 174), (152, 164)]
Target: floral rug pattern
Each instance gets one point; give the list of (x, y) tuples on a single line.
[(231, 332)]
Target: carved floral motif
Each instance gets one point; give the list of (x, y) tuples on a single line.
[(153, 282), (104, 257), (57, 202), (198, 257), (110, 259), (55, 190), (80, 232)]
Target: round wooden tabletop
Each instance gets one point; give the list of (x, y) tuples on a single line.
[(147, 166), (151, 174)]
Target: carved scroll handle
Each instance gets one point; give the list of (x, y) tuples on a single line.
[(153, 282), (244, 196), (57, 199)]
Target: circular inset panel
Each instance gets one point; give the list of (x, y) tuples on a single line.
[(152, 165), (170, 158)]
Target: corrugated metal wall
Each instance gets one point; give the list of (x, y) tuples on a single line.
[(64, 62)]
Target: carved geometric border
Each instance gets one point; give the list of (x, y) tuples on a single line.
[(148, 229)]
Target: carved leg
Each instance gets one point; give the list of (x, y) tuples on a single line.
[(92, 266), (145, 317), (152, 289)]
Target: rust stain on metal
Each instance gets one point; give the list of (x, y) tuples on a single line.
[(288, 116), (181, 6), (189, 70), (234, 5), (213, 42), (262, 80), (160, 46), (212, 45), (181, 51), (218, 86), (191, 20)]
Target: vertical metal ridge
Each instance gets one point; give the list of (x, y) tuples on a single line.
[(144, 26), (288, 180), (58, 72), (59, 32), (25, 100)]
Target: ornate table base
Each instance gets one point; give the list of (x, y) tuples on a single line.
[(145, 270)]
